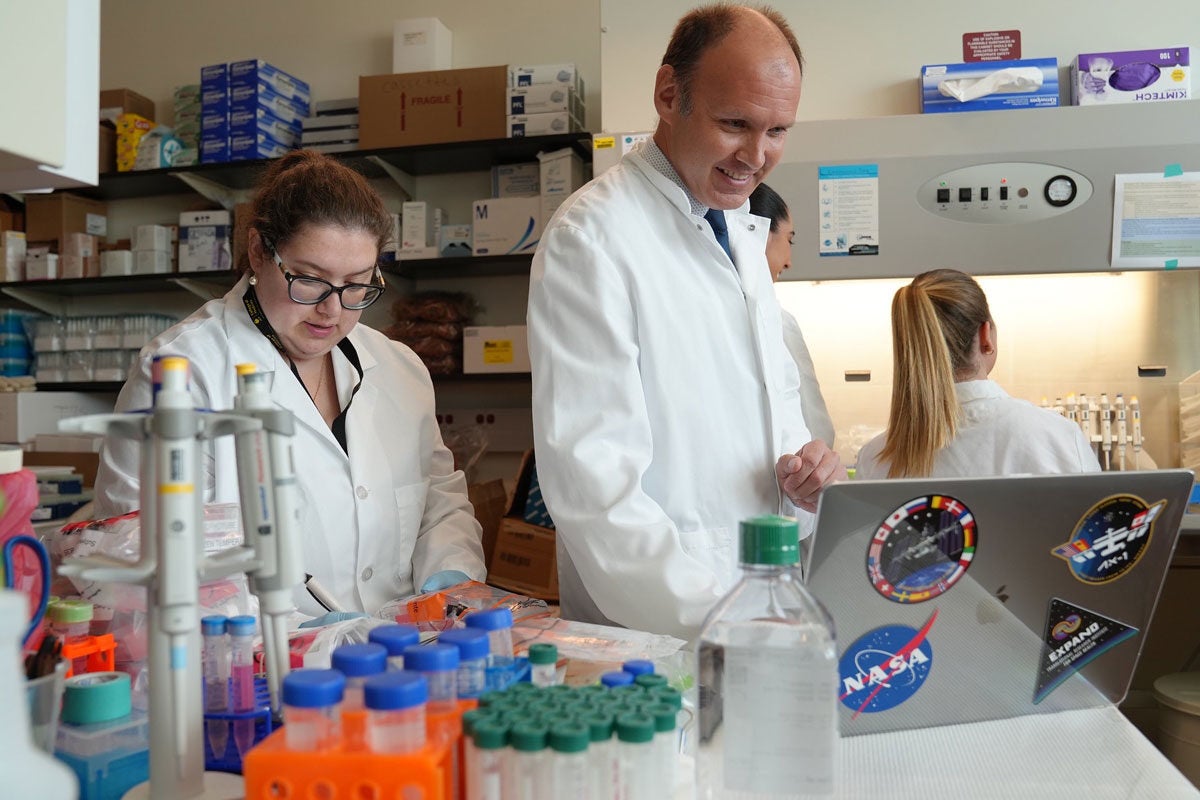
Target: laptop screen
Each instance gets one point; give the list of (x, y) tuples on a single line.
[(967, 599)]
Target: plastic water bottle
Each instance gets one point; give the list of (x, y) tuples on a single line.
[(767, 676)]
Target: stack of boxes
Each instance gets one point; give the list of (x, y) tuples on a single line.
[(204, 241), (12, 255), (420, 230), (544, 99), (249, 110), (525, 197), (63, 224), (187, 124), (132, 116), (79, 256), (154, 249), (333, 128)]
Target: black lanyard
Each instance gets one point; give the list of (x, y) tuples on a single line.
[(259, 318)]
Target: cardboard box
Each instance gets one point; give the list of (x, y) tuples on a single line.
[(420, 45), (543, 99), (204, 241), (515, 180), (23, 415), (561, 173), (115, 102), (151, 262), (116, 262), (524, 558), (420, 225), (453, 105), (84, 463), (537, 74), (242, 217), (50, 217), (542, 124), (1037, 86), (107, 157), (490, 500), (506, 225), (12, 256), (495, 348), (1131, 76)]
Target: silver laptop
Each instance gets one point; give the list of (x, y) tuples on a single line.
[(969, 599)]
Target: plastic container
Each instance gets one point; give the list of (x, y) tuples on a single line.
[(358, 662), (666, 743), (215, 667), (779, 642), (498, 623), (439, 664), (615, 679), (603, 768), (543, 664), (71, 621), (485, 780), (639, 778), (312, 709), (1179, 721), (241, 676), (473, 646), (395, 704), (569, 760), (527, 775), (395, 638), (108, 758)]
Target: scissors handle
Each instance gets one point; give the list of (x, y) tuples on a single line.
[(43, 557)]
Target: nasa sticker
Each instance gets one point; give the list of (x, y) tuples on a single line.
[(1110, 538), (922, 549), (885, 667), (1074, 636)]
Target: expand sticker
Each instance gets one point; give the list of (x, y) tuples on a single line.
[(1110, 538), (885, 666), (922, 549), (1074, 636)]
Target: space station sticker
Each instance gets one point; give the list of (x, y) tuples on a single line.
[(1110, 538), (922, 549), (885, 667), (1074, 636)]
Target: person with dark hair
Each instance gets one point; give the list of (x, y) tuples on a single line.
[(947, 419), (665, 406), (383, 512), (766, 202)]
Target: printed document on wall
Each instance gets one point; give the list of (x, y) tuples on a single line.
[(1156, 220), (848, 210)]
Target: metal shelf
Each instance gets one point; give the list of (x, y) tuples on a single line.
[(105, 387), (119, 284), (485, 377), (427, 159), (461, 267)]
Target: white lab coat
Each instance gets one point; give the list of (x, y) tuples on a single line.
[(662, 397), (816, 414), (375, 524), (998, 435)]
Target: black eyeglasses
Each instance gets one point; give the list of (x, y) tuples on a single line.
[(310, 291)]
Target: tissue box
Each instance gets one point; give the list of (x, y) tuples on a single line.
[(1043, 94), (506, 225), (1131, 76)]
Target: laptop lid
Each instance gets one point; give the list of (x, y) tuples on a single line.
[(967, 599)]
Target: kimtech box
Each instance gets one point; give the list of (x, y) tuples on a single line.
[(1131, 76), (989, 85), (451, 105)]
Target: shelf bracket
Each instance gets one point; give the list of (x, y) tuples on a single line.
[(55, 307), (406, 182), (205, 291), (221, 195)]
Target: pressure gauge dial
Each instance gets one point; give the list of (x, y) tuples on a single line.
[(1060, 191)]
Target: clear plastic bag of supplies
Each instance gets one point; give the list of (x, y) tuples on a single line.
[(440, 610), (468, 443), (591, 650), (119, 608)]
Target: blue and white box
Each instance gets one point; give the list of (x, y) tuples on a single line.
[(214, 149), (1131, 76), (989, 85), (214, 78), (261, 120), (214, 101), (254, 72), (246, 98), (214, 124), (256, 145)]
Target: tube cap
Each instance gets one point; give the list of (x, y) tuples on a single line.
[(492, 619), (313, 688), (668, 695), (542, 653), (770, 540), (490, 735), (394, 637), (472, 643), (431, 657), (638, 666), (71, 611), (569, 737), (213, 626), (360, 660), (650, 681), (241, 626), (635, 728), (527, 737), (663, 715), (389, 691), (600, 726), (614, 679)]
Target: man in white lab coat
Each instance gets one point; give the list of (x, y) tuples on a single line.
[(662, 391)]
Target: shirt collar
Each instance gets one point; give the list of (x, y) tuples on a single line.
[(656, 158), (978, 390)]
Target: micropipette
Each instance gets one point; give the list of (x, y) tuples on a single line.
[(1121, 440), (1106, 430)]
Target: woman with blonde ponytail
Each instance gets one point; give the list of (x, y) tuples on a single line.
[(947, 419)]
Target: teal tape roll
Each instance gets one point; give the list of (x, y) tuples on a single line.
[(96, 697)]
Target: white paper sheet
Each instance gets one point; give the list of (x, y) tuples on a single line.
[(1156, 220)]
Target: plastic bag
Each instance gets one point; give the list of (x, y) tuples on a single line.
[(406, 330), (468, 443), (435, 307)]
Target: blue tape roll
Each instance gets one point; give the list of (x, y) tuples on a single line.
[(96, 697)]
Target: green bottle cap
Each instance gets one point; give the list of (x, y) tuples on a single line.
[(635, 728), (770, 540), (663, 716), (527, 736), (490, 735), (71, 611), (650, 680), (665, 694), (600, 726), (522, 687), (622, 692), (569, 737), (543, 654)]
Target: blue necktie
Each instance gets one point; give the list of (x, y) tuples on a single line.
[(716, 220)]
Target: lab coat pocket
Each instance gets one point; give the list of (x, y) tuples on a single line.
[(715, 549), (410, 508)]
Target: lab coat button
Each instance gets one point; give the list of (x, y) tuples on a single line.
[(751, 226), (362, 492), (367, 573)]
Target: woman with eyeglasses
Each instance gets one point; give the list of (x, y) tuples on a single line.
[(384, 514)]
